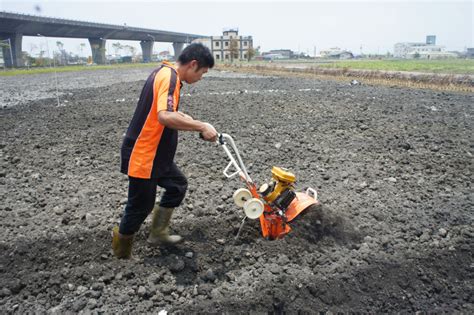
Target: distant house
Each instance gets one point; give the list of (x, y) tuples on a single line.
[(336, 53), (284, 53), (470, 52), (270, 56), (229, 43), (164, 55)]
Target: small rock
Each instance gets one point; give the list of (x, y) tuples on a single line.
[(98, 286), (58, 210), (189, 255), (278, 145), (81, 289), (142, 291), (391, 179), (283, 260), (176, 264), (16, 286), (442, 232), (154, 278), (79, 305), (406, 146), (424, 237), (220, 241), (91, 304), (210, 275), (123, 298), (5, 292), (66, 219), (355, 82), (167, 289), (364, 248)]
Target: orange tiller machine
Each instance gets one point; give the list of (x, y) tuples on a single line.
[(275, 203)]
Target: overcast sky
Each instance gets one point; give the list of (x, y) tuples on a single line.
[(374, 26)]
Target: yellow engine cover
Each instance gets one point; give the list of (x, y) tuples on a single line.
[(283, 180), (281, 175)]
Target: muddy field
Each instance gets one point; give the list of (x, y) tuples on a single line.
[(393, 168)]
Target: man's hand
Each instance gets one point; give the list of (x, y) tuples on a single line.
[(209, 133), (181, 121)]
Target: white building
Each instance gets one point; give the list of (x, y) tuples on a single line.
[(206, 41), (410, 50), (428, 50), (230, 41), (336, 53)]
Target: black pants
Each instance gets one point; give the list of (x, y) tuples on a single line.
[(142, 195)]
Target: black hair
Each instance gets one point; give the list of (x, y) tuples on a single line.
[(198, 52)]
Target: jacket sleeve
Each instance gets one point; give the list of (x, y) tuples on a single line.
[(165, 85)]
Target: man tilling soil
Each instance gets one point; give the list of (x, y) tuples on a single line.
[(149, 147)]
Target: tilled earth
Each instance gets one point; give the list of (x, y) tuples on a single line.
[(393, 169)]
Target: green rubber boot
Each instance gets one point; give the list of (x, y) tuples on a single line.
[(159, 232), (121, 244)]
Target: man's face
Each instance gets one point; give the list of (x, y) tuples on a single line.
[(193, 74)]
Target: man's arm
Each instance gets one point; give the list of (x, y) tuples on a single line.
[(180, 121)]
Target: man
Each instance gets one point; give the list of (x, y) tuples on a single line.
[(149, 147)]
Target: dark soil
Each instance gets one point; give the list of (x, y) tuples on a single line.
[(393, 169)]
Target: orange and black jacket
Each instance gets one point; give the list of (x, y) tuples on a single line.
[(149, 147)]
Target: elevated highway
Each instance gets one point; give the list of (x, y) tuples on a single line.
[(14, 26)]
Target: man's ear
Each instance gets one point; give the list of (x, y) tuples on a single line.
[(194, 64)]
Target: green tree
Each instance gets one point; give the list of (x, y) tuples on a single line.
[(62, 55), (250, 53), (234, 49), (117, 47), (132, 50), (40, 61)]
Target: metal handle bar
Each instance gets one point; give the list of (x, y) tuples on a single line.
[(224, 139)]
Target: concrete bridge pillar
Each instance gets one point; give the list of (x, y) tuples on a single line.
[(11, 49), (98, 50), (147, 50), (178, 48)]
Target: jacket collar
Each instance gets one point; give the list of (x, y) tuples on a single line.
[(169, 64)]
